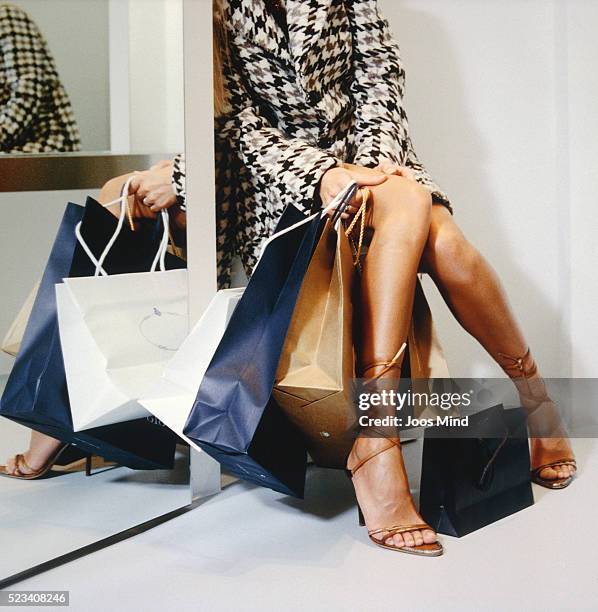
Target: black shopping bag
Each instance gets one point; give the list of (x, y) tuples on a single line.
[(234, 418), (36, 393), (470, 482)]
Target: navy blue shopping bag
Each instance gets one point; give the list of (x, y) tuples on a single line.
[(36, 392), (474, 476), (234, 418)]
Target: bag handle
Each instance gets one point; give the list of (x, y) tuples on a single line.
[(360, 214), (338, 205), (487, 474), (159, 259)]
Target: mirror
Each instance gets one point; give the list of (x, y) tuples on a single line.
[(91, 75), (126, 91)]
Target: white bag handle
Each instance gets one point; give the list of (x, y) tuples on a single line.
[(160, 257), (334, 205)]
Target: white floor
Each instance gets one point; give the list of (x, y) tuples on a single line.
[(40, 520), (252, 549)]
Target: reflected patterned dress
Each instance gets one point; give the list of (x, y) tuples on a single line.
[(35, 111)]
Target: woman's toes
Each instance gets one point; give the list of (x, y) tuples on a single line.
[(398, 540), (548, 473), (409, 539), (418, 537), (10, 466), (429, 536)]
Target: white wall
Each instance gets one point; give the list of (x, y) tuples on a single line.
[(156, 75), (493, 120), (77, 36), (582, 18), (146, 75)]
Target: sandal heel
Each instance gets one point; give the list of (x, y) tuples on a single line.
[(360, 516)]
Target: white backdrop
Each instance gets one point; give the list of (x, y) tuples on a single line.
[(500, 98)]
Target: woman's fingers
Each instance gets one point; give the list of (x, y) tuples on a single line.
[(135, 182), (366, 177), (161, 198), (394, 169), (163, 202), (165, 163)]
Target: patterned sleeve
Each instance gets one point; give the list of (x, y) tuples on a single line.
[(288, 168), (178, 180), (382, 132), (23, 55)]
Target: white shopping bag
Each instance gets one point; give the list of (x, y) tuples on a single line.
[(171, 398), (118, 334)]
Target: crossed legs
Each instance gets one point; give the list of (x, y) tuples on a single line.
[(473, 292)]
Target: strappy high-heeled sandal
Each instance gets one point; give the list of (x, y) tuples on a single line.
[(23, 471), (554, 483), (423, 550), (525, 368)]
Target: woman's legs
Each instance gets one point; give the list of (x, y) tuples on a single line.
[(473, 292), (400, 218)]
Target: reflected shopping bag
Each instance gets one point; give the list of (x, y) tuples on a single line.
[(36, 392), (234, 418), (118, 332), (315, 374), (470, 482), (14, 336)]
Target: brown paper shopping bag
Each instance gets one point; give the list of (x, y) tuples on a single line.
[(315, 372), (14, 336)]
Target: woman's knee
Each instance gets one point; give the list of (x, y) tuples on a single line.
[(402, 202), (451, 258)]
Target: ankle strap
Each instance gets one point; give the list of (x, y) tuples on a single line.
[(391, 442), (525, 365), (388, 365)]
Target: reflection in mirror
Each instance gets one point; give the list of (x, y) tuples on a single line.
[(36, 115), (76, 474), (113, 85)]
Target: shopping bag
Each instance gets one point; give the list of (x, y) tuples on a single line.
[(118, 332), (171, 398), (14, 336), (470, 482), (315, 374), (36, 394), (234, 418)]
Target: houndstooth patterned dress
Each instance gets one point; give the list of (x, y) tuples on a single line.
[(35, 111), (328, 90)]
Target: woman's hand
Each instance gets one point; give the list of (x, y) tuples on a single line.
[(153, 188), (391, 169), (336, 179)]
